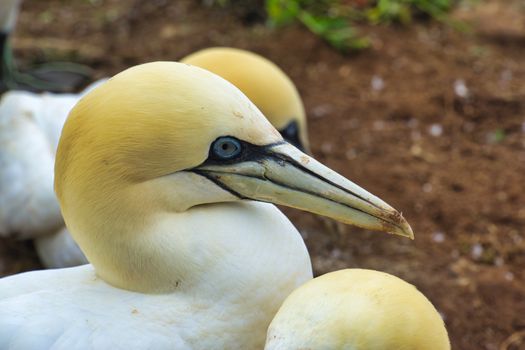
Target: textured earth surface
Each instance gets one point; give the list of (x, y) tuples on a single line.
[(431, 119)]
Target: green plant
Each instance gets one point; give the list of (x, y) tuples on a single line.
[(320, 18), (333, 20), (386, 11)]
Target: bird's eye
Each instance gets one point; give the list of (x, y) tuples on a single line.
[(226, 147)]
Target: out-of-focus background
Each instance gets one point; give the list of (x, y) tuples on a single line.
[(422, 104)]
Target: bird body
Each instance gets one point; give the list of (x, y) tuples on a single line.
[(156, 173), (75, 309), (30, 127), (359, 310)]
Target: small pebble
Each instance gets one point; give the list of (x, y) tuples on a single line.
[(509, 276), (469, 126), (438, 237), (460, 88), (477, 251), (506, 76), (351, 123), (377, 83), (416, 150), (322, 110), (327, 147), (413, 123), (427, 187), (351, 154), (415, 135), (345, 71), (435, 130), (379, 125), (336, 253)]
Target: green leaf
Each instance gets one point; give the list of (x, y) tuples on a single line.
[(281, 12)]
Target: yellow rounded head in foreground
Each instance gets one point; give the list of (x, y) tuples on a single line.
[(121, 158), (359, 310), (265, 84), (158, 142)]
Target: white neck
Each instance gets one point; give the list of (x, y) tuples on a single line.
[(215, 246), (242, 255), (159, 236)]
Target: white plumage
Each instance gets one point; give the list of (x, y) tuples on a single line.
[(30, 126), (74, 309)]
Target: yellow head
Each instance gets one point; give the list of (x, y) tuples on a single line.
[(162, 138), (265, 84), (151, 121), (360, 310)]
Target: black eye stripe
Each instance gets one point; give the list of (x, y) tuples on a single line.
[(291, 134)]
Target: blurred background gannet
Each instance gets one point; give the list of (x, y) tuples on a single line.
[(359, 310), (156, 173), (30, 126), (265, 84)]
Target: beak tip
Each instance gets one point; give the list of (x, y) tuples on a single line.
[(406, 230), (402, 227), (409, 232)]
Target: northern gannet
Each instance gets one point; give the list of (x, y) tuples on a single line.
[(156, 173), (31, 123), (359, 310), (265, 84)]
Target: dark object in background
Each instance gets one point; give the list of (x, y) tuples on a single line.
[(250, 12), (52, 77)]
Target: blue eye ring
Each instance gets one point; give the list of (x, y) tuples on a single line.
[(226, 147)]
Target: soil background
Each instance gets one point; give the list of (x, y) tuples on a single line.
[(431, 119)]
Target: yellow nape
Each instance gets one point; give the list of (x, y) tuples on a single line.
[(265, 84), (152, 120), (359, 310)]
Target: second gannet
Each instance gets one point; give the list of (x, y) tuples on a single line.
[(360, 310), (265, 84)]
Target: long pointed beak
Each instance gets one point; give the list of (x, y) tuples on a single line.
[(282, 174)]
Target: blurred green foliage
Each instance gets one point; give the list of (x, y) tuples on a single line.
[(332, 19)]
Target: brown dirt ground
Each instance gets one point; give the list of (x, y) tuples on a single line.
[(451, 158)]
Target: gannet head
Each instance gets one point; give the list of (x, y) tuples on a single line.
[(181, 127), (265, 84), (357, 309), (164, 138)]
